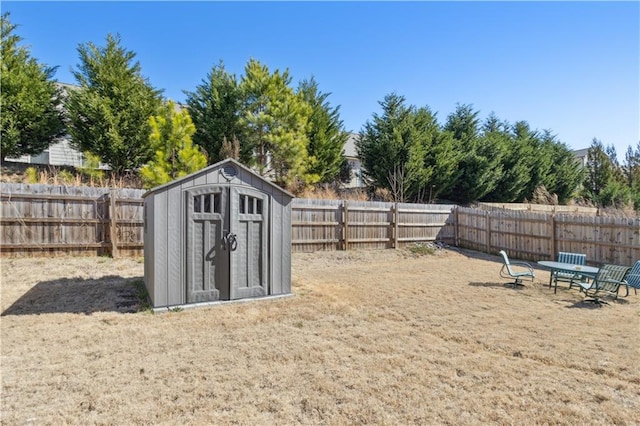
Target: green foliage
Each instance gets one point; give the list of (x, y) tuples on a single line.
[(325, 133), (91, 167), (215, 108), (175, 155), (31, 175), (478, 167), (66, 177), (615, 194), (422, 249), (29, 100), (275, 124), (109, 113), (392, 149), (600, 171)]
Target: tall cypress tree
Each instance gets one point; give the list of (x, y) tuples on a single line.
[(216, 107), (325, 132), (30, 101), (109, 113), (392, 149)]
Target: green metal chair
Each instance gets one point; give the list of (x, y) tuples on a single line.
[(516, 270), (606, 283), (633, 278), (568, 277)]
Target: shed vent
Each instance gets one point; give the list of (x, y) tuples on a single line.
[(229, 172)]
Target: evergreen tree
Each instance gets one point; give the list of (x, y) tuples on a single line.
[(393, 151), (477, 174), (175, 155), (440, 157), (31, 117), (603, 183), (109, 113), (275, 123), (632, 174), (216, 107), (566, 175), (325, 132)]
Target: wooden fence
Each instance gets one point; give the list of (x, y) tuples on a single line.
[(47, 220), (346, 225), (538, 236), (53, 219), (541, 208)]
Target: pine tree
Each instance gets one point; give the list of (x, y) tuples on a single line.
[(175, 154), (275, 126), (31, 117)]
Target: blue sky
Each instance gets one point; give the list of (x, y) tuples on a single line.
[(571, 67)]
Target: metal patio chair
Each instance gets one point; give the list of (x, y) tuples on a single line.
[(633, 278), (516, 270), (606, 283)]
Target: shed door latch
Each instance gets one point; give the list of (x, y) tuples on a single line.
[(230, 241)]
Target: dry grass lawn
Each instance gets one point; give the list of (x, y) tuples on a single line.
[(382, 337)]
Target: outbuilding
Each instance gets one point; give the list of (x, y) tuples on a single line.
[(222, 233)]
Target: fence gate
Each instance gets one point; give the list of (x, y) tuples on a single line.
[(227, 243)]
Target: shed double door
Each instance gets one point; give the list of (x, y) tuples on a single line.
[(227, 243)]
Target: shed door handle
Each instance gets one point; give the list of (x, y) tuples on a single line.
[(230, 242)]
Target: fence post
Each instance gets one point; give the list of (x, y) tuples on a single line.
[(552, 237), (345, 226), (113, 222), (456, 238), (394, 217), (489, 232)]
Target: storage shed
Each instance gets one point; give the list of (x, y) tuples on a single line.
[(222, 233)]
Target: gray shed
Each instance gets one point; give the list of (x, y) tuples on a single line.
[(222, 233)]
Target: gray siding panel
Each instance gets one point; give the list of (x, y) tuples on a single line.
[(149, 247), (286, 247), (174, 249), (276, 244), (160, 231)]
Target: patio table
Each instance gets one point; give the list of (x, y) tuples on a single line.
[(590, 271)]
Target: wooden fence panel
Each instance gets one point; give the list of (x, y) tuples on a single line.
[(472, 229), (603, 239), (538, 236), (348, 225), (316, 225), (49, 219)]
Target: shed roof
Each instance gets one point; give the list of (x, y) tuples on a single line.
[(209, 169)]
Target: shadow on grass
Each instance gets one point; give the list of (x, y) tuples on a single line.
[(499, 285), (587, 304), (74, 295)]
